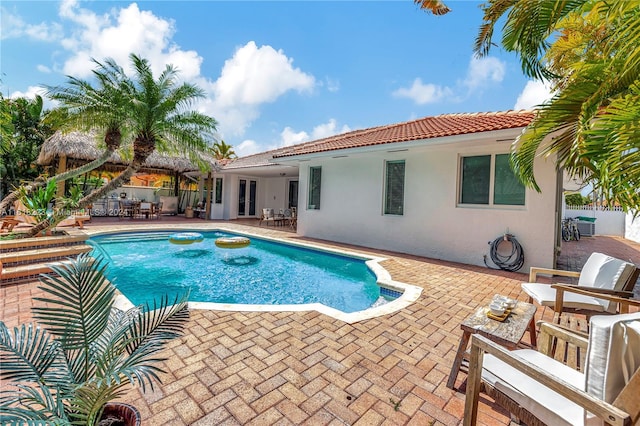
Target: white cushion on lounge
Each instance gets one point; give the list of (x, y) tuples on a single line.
[(544, 295), (545, 404), (599, 271), (613, 354), (602, 271)]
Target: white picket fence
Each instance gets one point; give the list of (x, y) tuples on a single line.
[(609, 220)]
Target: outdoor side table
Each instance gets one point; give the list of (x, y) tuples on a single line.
[(507, 333)]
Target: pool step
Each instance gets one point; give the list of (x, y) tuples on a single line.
[(29, 264), (43, 254), (25, 259)]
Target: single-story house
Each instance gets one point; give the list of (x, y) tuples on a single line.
[(439, 187)]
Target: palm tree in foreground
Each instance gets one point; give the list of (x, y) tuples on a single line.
[(589, 50), (159, 117)]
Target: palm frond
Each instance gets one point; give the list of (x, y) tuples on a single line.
[(29, 355), (77, 307), (32, 404), (437, 7)]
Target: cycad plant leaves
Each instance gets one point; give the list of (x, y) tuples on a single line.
[(148, 333), (89, 399), (77, 309), (34, 404), (29, 355), (79, 302)]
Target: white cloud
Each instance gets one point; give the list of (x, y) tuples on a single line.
[(483, 71), (43, 68), (422, 93), (332, 85), (254, 76), (535, 92), (124, 31), (31, 93), (246, 147), (290, 137), (13, 26), (328, 129)]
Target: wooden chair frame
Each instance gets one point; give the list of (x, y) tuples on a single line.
[(625, 410), (618, 296)]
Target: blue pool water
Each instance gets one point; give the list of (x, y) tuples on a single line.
[(144, 266)]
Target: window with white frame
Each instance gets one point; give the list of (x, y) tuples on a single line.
[(394, 187), (489, 180), (315, 181)]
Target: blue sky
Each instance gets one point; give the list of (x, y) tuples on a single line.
[(275, 73)]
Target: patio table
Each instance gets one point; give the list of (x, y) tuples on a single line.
[(507, 333)]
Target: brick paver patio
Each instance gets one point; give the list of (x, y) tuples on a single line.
[(292, 368)]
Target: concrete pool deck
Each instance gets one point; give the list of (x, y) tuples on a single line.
[(235, 368)]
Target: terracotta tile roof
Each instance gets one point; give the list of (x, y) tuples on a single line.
[(423, 128)]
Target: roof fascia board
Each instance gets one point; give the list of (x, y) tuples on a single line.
[(418, 143)]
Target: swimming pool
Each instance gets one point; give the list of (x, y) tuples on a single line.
[(399, 295), (144, 265)]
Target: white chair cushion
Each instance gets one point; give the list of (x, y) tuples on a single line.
[(545, 404), (544, 295), (613, 354), (602, 271)]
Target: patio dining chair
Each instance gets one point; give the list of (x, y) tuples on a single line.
[(144, 210), (540, 389), (602, 284), (267, 216)]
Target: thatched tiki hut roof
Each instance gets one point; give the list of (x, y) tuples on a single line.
[(80, 148)]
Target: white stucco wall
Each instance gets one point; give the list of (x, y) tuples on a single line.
[(632, 228), (607, 222), (275, 193), (433, 224)]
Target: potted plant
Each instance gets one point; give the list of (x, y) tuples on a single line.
[(84, 352)]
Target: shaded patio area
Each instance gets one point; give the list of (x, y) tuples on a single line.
[(285, 368)]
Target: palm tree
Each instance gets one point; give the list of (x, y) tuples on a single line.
[(223, 151), (85, 107), (159, 118), (589, 50)]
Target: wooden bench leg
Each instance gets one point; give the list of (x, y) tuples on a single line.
[(532, 332), (457, 362)]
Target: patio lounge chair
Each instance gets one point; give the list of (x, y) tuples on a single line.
[(601, 283), (8, 223), (75, 219), (267, 215), (541, 390)]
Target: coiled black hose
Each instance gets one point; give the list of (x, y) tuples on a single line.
[(512, 261)]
